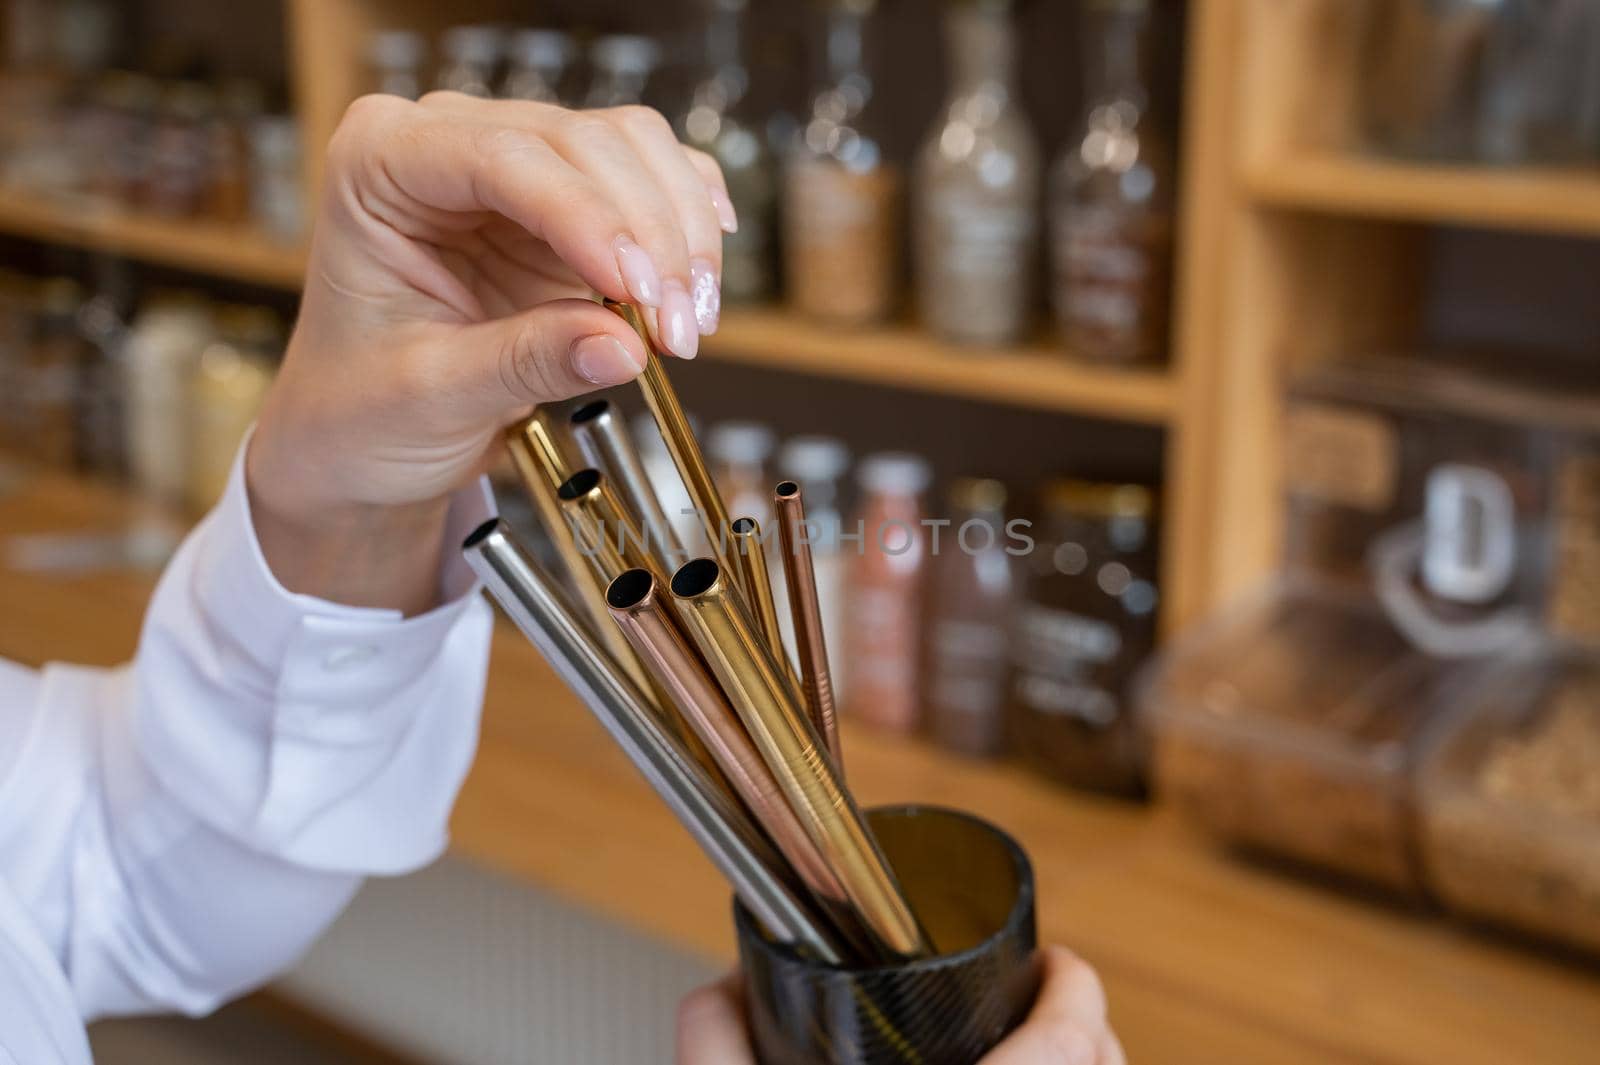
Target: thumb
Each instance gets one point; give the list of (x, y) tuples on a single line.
[(557, 350)]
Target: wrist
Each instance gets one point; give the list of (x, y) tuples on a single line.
[(361, 554)]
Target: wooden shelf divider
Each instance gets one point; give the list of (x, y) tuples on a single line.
[(238, 252), (1565, 201), (1037, 375)]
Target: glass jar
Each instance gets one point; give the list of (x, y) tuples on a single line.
[(977, 182), (972, 605), (1541, 101), (179, 174), (164, 347), (623, 63), (1087, 622), (713, 123), (396, 58), (276, 203), (841, 196), (883, 619), (230, 382), (1423, 77), (739, 452), (538, 62), (470, 56), (51, 370), (1111, 203)]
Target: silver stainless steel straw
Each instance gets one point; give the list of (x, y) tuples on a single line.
[(722, 829)]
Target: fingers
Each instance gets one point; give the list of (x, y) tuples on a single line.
[(557, 350), (611, 191), (669, 162), (711, 1028), (717, 187), (1067, 1025)]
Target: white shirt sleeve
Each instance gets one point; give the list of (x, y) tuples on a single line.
[(180, 829)]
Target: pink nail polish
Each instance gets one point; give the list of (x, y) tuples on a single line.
[(724, 208), (676, 321), (638, 272), (602, 359), (706, 293)]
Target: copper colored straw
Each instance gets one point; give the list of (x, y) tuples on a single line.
[(723, 829), (646, 619), (721, 629), (816, 681), (674, 425)]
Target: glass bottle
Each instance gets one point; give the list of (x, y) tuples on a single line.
[(883, 619), (396, 58), (972, 602), (227, 139), (1111, 210), (841, 196), (739, 452), (976, 189), (538, 62), (51, 368), (179, 171), (623, 63), (712, 125), (471, 54), (276, 204), (1087, 622)]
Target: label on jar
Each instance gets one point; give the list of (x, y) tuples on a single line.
[(1110, 283), (841, 241), (1060, 658), (973, 262), (882, 649), (1574, 610), (1342, 456), (966, 676)]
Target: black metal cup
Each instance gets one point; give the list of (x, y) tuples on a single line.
[(971, 885)]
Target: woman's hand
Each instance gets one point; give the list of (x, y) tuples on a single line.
[(456, 249), (1067, 1025)]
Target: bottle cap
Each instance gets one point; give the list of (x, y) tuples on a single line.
[(397, 50), (541, 49), (894, 473), (743, 443), (477, 45), (814, 459), (625, 53)]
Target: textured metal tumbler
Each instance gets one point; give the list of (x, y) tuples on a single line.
[(972, 888)]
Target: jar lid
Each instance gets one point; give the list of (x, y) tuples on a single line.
[(1100, 499), (625, 53), (477, 45), (744, 443), (813, 459), (541, 49), (977, 493), (894, 473), (397, 49)]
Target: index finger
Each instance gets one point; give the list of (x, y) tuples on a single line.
[(412, 167)]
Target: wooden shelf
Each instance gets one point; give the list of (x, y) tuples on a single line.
[(1546, 200), (1036, 376), (231, 251)]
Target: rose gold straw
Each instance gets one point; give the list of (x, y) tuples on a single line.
[(816, 682)]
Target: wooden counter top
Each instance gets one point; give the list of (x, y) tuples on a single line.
[(1205, 959)]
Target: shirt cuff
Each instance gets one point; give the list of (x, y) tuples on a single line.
[(333, 735)]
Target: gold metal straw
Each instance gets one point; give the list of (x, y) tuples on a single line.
[(662, 399), (750, 566), (816, 681), (542, 468), (721, 629)]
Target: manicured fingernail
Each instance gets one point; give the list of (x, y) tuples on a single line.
[(602, 359), (724, 208), (676, 321), (638, 272), (706, 294)]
